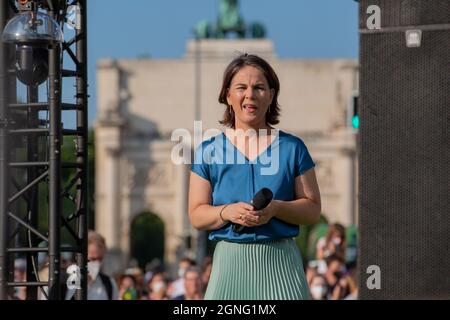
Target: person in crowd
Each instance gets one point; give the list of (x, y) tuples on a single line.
[(318, 287), (100, 285), (138, 276), (311, 272), (353, 286), (192, 285), (20, 275), (157, 287), (333, 243), (337, 277), (128, 287), (206, 272), (177, 286)]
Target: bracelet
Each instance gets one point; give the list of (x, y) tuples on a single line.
[(220, 214)]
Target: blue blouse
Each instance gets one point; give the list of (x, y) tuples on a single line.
[(234, 178)]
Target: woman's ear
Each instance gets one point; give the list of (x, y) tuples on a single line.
[(228, 97), (272, 94)]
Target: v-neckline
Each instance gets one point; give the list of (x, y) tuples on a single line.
[(277, 135)]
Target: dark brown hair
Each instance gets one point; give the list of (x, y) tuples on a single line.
[(272, 79), (335, 229)]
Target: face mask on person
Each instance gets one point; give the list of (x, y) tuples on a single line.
[(318, 292), (337, 241), (181, 272), (94, 268), (158, 286)]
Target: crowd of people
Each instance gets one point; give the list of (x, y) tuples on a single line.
[(135, 284), (190, 283), (330, 276)]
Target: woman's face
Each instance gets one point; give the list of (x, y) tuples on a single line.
[(250, 97), (318, 288), (157, 284), (127, 283)]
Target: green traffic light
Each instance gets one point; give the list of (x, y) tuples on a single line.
[(355, 122)]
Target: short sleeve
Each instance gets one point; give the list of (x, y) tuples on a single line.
[(200, 166), (303, 161)]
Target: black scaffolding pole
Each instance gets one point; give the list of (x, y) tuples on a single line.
[(82, 145), (55, 205), (33, 194), (21, 180), (4, 173)]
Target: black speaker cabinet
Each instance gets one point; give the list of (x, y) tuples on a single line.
[(404, 151)]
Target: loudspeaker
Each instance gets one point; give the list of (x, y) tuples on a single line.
[(404, 152)]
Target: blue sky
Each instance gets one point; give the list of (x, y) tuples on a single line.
[(160, 28)]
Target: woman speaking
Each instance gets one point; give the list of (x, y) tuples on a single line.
[(256, 256)]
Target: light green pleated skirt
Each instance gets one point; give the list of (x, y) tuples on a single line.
[(270, 270)]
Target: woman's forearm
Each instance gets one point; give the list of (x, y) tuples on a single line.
[(207, 217), (300, 211)]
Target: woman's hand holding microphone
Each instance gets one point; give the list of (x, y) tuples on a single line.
[(244, 214)]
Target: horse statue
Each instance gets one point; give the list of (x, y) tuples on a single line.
[(229, 19)]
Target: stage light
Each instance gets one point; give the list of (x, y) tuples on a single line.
[(32, 32), (413, 38)]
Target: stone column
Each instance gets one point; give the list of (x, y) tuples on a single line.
[(109, 131)]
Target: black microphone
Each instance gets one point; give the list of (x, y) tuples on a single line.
[(261, 200)]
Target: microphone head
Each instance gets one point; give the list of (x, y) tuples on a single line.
[(262, 198)]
